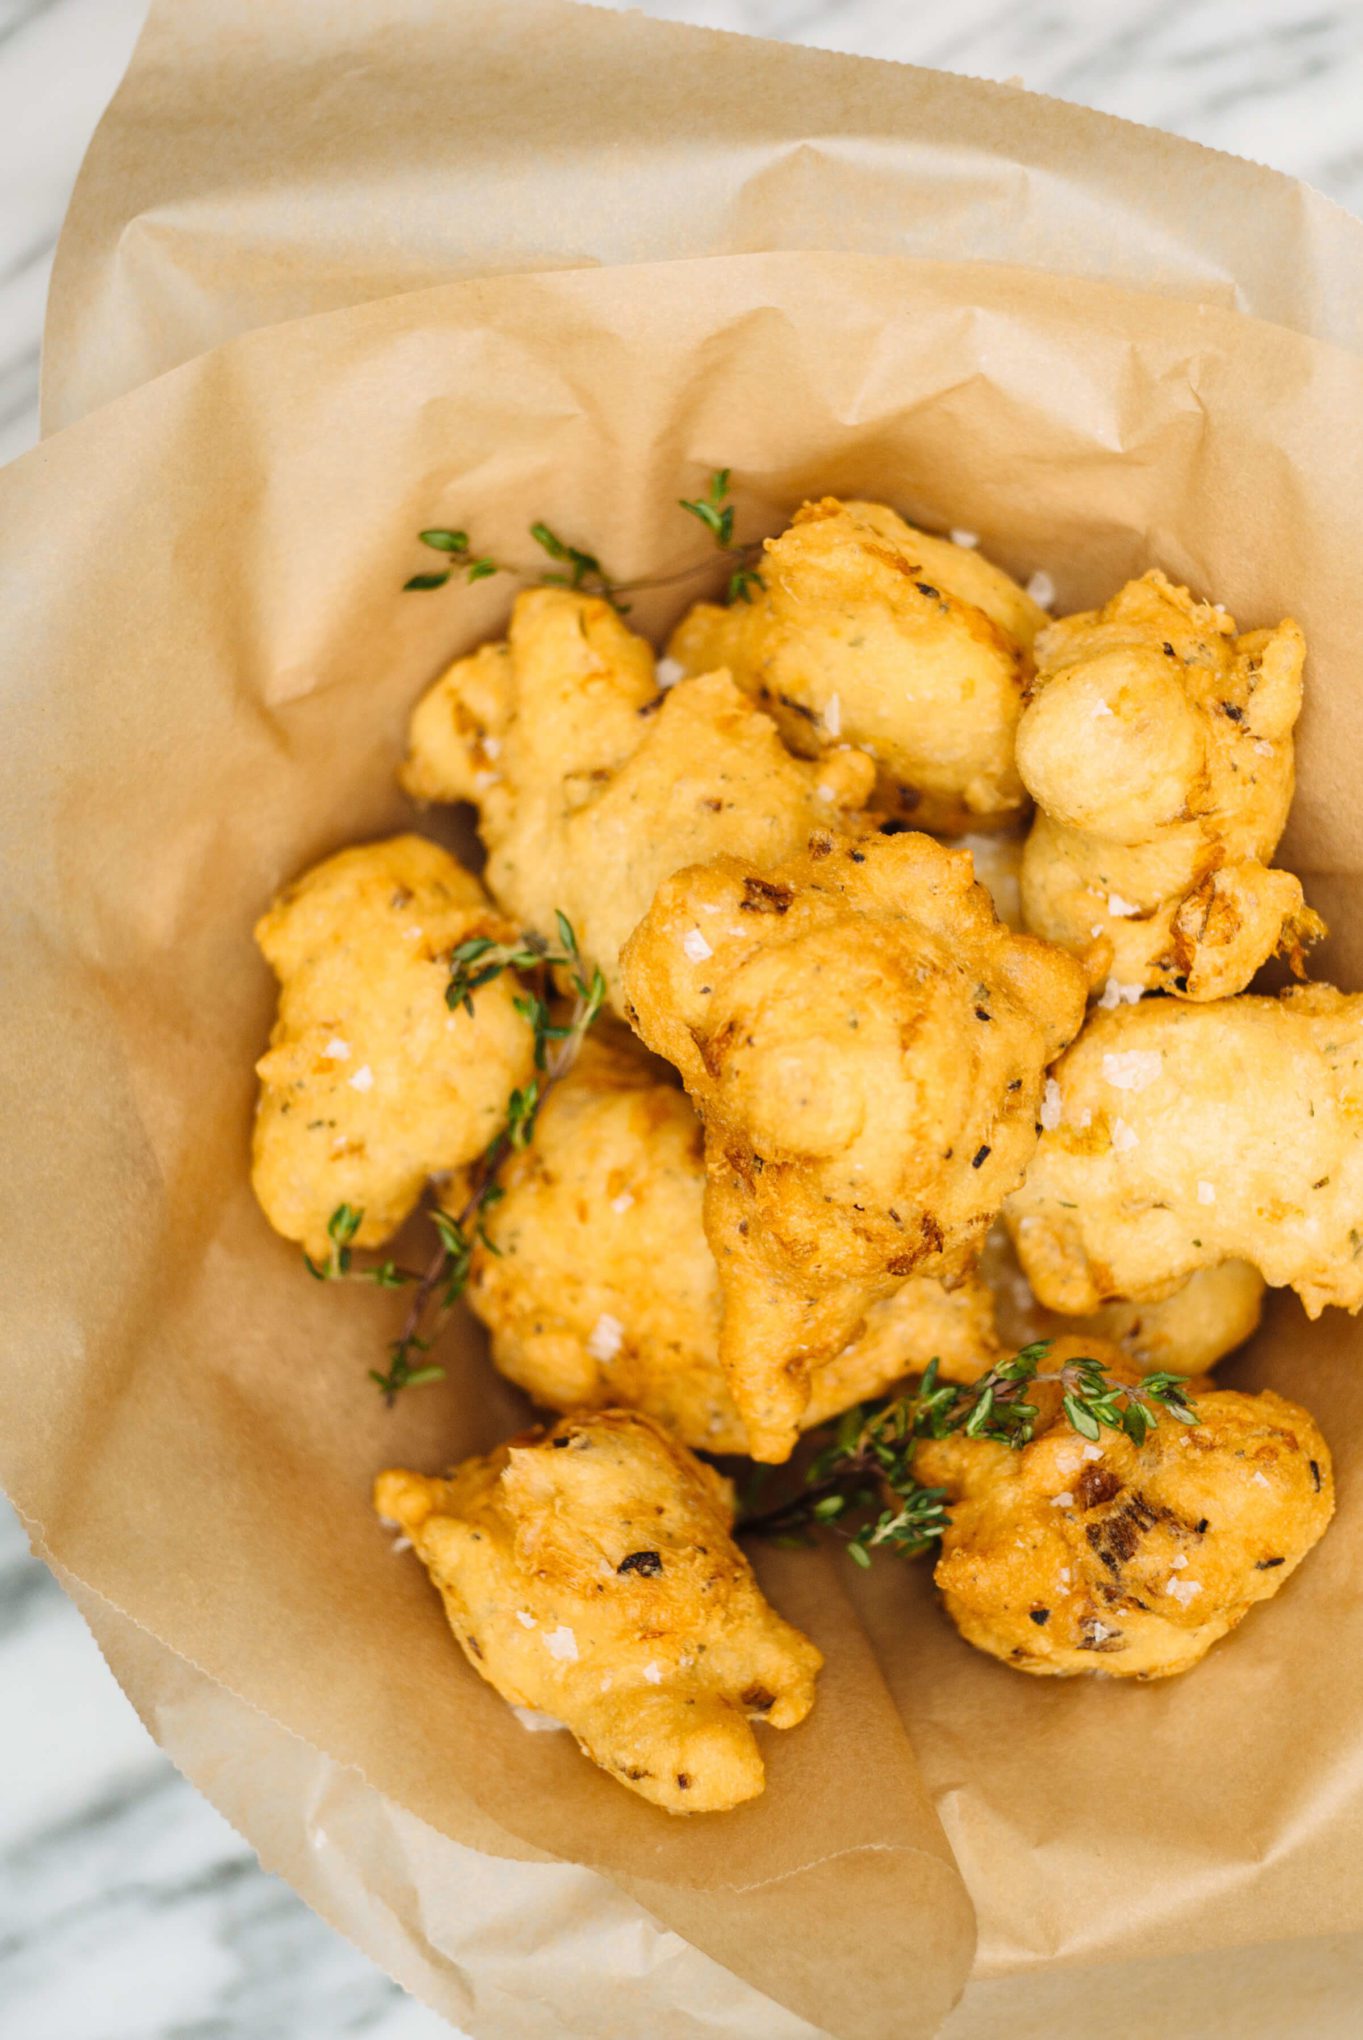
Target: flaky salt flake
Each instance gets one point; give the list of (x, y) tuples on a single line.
[(537, 1723), (1133, 1069), (1065, 1501), (561, 1643), (653, 1674), (1116, 994), (668, 672), (1120, 909), (1260, 1480), (1124, 1137), (1041, 588), (695, 946), (1064, 1575), (1098, 711), (492, 747), (402, 1544), (960, 536), (363, 1079), (1206, 1193), (1052, 1106), (1179, 1562), (623, 1201), (337, 1050), (1093, 1452), (607, 1337), (1185, 1592), (1263, 747), (526, 1619), (832, 715)]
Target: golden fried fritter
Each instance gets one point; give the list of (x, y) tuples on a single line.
[(598, 1285), (1183, 1136), (593, 786), (866, 1045), (589, 1573), (370, 1084), (867, 631), (1068, 1557), (1158, 747), (1186, 1332)]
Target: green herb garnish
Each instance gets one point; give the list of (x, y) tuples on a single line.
[(574, 567), (862, 1485)]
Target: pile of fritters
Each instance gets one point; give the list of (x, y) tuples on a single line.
[(849, 1111)]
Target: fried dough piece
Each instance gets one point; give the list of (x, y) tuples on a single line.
[(1189, 1135), (1157, 745), (866, 1045), (867, 631), (1186, 1332), (598, 1285), (370, 1084), (593, 786), (589, 1573), (1131, 1562)]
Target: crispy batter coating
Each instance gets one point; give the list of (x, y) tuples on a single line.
[(593, 786), (599, 1287), (1186, 1332), (589, 1573), (370, 1084), (1185, 1135), (1157, 745), (867, 631), (1067, 1557), (866, 1045)]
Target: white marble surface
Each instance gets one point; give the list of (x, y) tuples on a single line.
[(128, 1909)]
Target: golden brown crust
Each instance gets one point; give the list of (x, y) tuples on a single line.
[(1069, 1557), (1186, 1332), (870, 632), (593, 786), (589, 1573), (1158, 747), (1186, 1135), (866, 1045), (598, 1286), (370, 1084)]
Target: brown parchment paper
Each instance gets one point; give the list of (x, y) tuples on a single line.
[(211, 665), (270, 158)]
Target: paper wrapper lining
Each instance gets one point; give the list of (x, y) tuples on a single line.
[(217, 698), (376, 146)]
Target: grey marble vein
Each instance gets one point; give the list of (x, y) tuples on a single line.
[(128, 1909)]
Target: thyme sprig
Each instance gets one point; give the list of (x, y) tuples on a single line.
[(455, 544), (339, 1265), (557, 1044), (716, 513), (862, 1485), (574, 567)]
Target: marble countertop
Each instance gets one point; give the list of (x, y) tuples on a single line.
[(128, 1909)]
